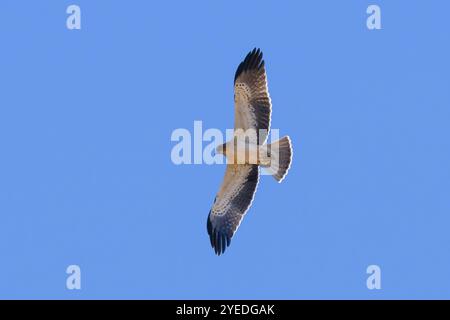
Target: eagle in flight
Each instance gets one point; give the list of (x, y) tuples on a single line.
[(246, 152)]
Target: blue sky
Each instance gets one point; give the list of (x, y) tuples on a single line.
[(86, 176)]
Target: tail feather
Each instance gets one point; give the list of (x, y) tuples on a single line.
[(280, 158)]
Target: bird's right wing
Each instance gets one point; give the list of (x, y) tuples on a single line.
[(232, 202)]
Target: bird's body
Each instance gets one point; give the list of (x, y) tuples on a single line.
[(241, 151), (246, 152)]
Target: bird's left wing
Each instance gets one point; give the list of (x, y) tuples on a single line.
[(252, 105), (232, 202)]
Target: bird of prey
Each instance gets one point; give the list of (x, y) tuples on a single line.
[(246, 152)]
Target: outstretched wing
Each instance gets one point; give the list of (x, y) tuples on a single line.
[(252, 106), (232, 202)]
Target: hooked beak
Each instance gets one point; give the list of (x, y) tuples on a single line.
[(218, 150)]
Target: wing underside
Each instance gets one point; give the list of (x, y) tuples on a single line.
[(251, 96), (232, 202)]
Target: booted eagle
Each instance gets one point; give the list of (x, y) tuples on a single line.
[(246, 152)]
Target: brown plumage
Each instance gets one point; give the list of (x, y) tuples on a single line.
[(252, 114)]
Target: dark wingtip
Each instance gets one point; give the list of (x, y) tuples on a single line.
[(209, 229), (253, 60), (219, 240)]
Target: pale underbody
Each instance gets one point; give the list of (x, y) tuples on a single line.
[(239, 151)]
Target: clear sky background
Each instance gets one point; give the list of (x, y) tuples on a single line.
[(86, 176)]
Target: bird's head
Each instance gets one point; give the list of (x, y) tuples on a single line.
[(221, 149)]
